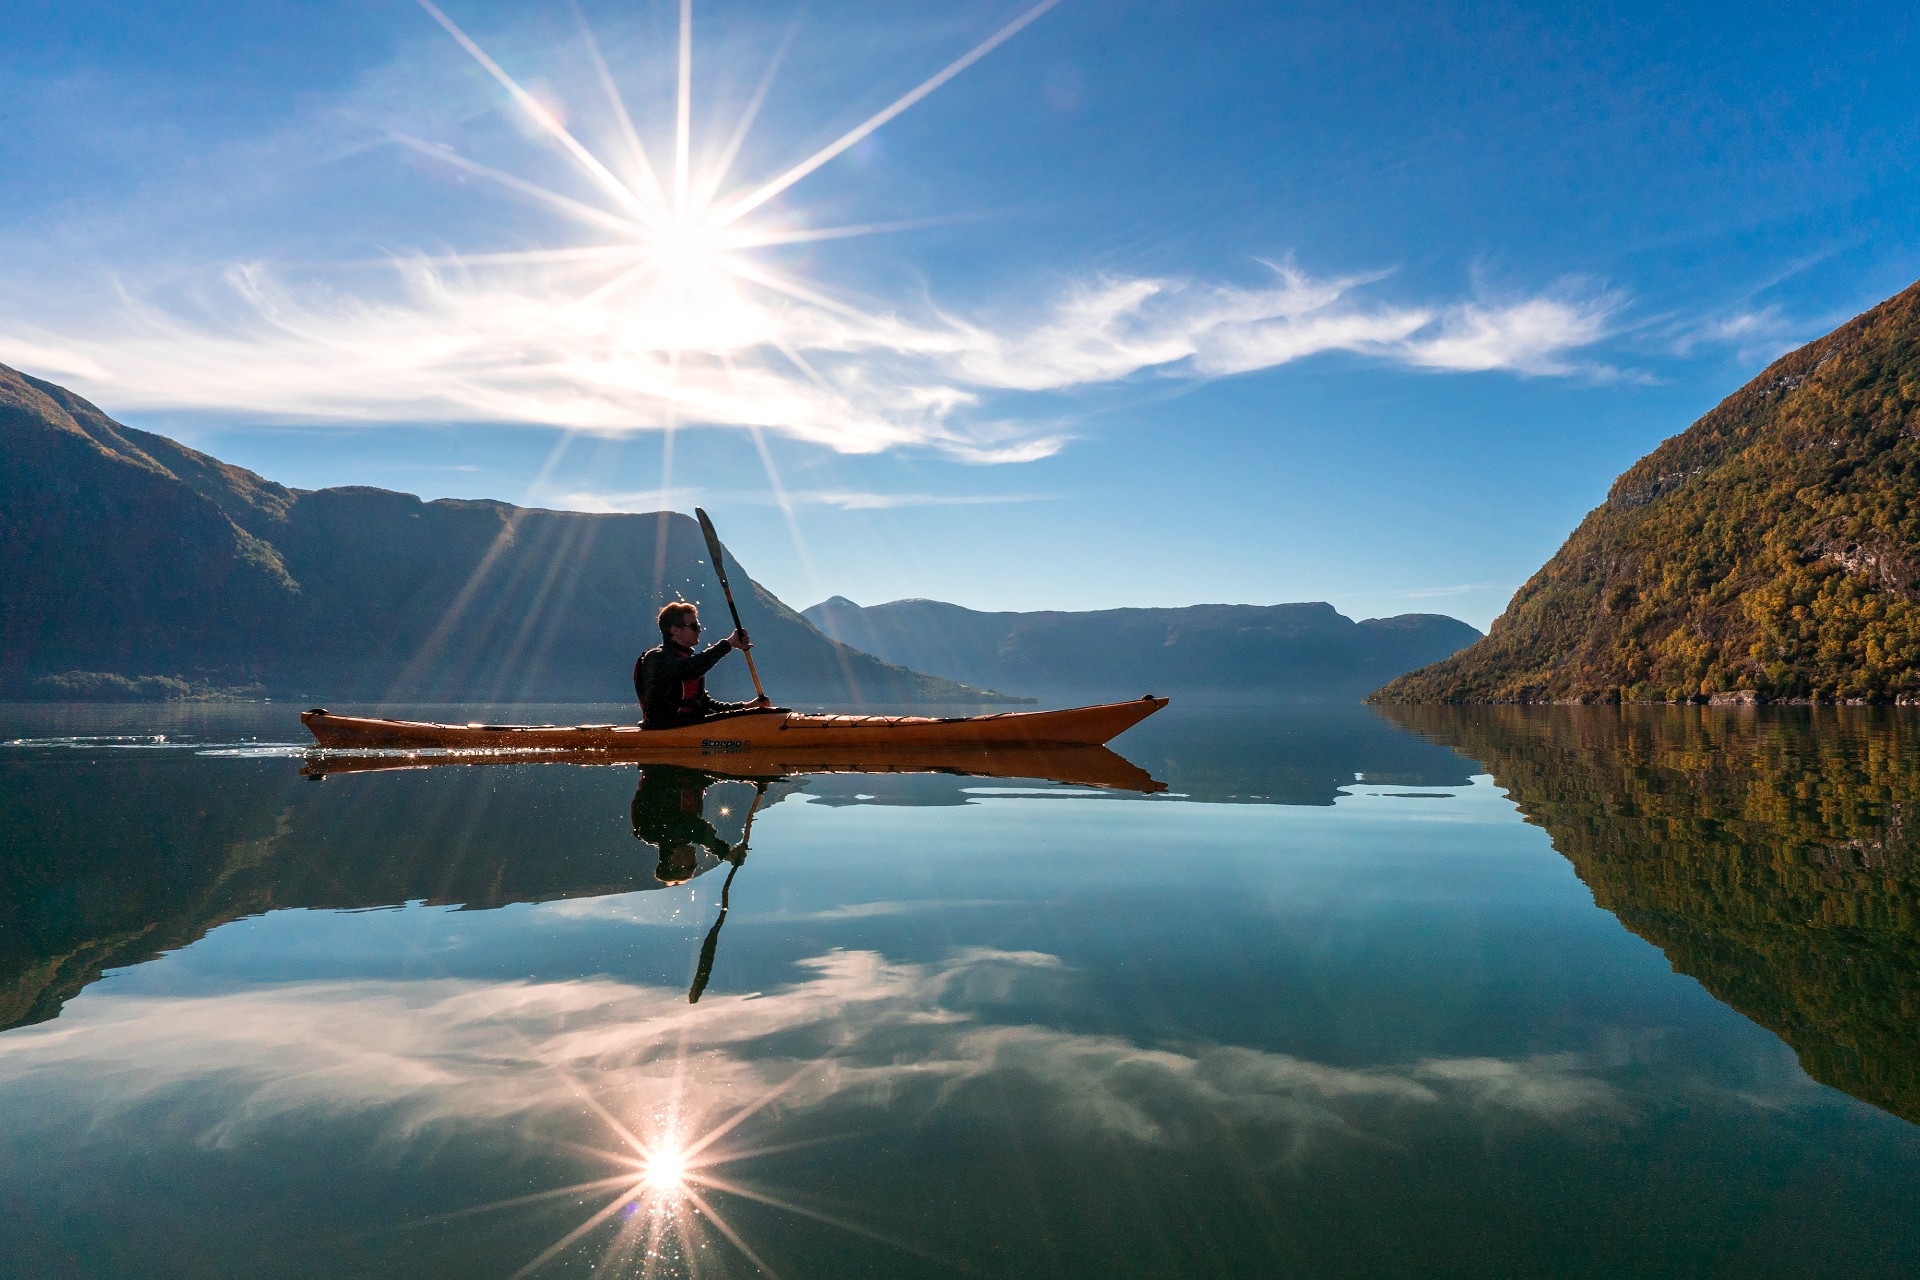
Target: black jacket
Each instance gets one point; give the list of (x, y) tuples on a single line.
[(671, 683)]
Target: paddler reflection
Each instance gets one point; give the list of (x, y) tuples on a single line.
[(670, 807)]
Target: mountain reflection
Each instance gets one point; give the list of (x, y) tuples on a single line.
[(110, 860), (106, 863), (1771, 855)]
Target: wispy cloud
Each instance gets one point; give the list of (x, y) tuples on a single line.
[(520, 346), (840, 499), (1750, 331), (1460, 589), (643, 299), (1533, 335)]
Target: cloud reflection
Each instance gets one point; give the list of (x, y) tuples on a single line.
[(680, 1100), (864, 1032)]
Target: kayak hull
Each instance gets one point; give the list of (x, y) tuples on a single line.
[(785, 731)]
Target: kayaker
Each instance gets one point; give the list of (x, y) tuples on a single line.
[(671, 679)]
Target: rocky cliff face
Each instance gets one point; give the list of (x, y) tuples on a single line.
[(1772, 547), (125, 553), (1292, 651)]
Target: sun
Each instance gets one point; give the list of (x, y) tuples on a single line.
[(691, 247), (678, 242)]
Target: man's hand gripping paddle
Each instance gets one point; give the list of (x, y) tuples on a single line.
[(718, 559)]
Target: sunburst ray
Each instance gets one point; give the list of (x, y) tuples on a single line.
[(683, 113), (723, 165), (746, 204), (566, 204), (636, 150), (537, 112)]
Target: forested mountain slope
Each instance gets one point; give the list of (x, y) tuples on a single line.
[(1774, 546)]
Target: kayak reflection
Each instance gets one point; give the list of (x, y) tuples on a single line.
[(672, 799), (1072, 766)]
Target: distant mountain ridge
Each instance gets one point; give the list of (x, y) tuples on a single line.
[(1289, 651), (1769, 552), (134, 566), (131, 557)]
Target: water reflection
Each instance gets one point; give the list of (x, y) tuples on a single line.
[(112, 861), (998, 1025), (1771, 855), (669, 812)]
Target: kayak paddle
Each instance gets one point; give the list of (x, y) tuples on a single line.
[(720, 571)]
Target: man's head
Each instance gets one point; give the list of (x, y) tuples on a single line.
[(677, 864), (680, 623)]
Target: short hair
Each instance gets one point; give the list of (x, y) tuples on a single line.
[(677, 865), (672, 613)]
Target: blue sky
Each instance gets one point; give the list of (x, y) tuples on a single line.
[(1166, 302)]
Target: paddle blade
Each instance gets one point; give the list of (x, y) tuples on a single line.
[(714, 553)]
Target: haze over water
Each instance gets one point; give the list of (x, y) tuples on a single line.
[(1338, 1002)]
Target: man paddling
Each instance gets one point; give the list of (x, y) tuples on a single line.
[(671, 679)]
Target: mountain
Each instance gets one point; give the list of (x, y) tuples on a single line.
[(1770, 551), (133, 564), (1769, 854), (1292, 651)]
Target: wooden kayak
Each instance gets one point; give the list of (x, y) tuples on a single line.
[(786, 731), (1074, 766)]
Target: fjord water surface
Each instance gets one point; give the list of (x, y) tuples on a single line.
[(1339, 1002)]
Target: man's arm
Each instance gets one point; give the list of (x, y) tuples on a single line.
[(692, 667)]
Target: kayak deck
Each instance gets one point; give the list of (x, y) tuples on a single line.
[(747, 731)]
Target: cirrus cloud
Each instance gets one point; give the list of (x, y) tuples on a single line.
[(531, 344)]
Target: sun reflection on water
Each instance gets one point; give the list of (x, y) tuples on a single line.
[(663, 1207), (665, 1170)]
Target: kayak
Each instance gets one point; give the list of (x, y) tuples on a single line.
[(1072, 765), (787, 731)]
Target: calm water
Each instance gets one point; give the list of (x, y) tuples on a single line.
[(1490, 992)]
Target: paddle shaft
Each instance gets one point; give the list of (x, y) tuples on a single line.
[(720, 571)]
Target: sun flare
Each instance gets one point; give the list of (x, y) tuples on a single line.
[(663, 1208), (665, 1169), (675, 296)]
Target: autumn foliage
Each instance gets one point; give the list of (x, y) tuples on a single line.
[(1772, 547)]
